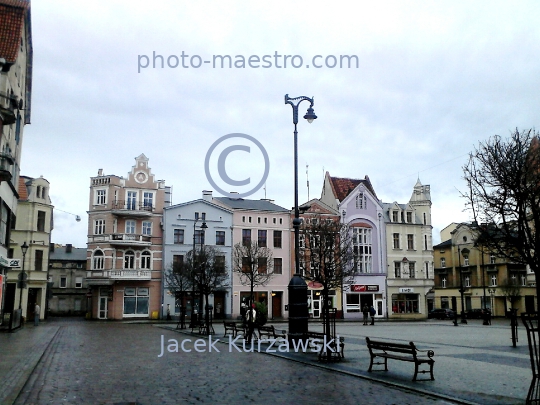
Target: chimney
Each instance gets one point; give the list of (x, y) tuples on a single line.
[(207, 195), (68, 247), (100, 172)]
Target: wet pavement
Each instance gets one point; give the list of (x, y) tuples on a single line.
[(65, 361)]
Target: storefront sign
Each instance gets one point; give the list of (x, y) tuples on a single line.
[(364, 288), (13, 263), (406, 290)]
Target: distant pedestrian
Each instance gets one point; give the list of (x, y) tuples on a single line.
[(251, 316), (36, 314), (365, 312), (372, 312)]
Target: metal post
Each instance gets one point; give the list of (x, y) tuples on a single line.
[(298, 307)]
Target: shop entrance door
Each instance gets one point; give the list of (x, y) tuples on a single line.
[(102, 307)]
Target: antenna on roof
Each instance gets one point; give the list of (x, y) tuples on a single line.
[(265, 190), (307, 179)]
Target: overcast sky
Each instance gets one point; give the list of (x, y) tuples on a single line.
[(433, 80)]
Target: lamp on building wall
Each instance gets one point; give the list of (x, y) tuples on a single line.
[(22, 275), (298, 307)]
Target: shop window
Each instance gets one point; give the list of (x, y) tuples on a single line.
[(405, 303), (136, 301)]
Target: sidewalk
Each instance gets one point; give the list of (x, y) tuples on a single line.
[(20, 352), (474, 364)]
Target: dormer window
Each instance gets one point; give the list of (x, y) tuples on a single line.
[(409, 217), (395, 216)]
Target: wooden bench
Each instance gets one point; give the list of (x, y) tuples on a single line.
[(400, 351), (233, 328), (339, 348), (270, 331)]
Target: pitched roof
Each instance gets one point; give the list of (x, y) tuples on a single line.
[(77, 254), (256, 205), (342, 186), (11, 21)]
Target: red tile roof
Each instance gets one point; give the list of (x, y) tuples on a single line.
[(342, 186), (12, 14)]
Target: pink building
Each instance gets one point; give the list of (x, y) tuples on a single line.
[(124, 255)]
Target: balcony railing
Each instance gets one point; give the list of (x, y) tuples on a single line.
[(132, 208), (119, 274), (122, 239)]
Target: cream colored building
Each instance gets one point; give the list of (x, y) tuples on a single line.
[(34, 226), (15, 109)]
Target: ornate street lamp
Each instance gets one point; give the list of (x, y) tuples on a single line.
[(193, 262), (298, 308), (465, 252), (22, 275)]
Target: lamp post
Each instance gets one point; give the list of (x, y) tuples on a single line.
[(22, 276), (461, 289), (298, 308), (193, 260)]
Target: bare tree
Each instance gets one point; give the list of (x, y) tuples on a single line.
[(503, 193), (209, 273), (254, 265), (179, 280), (327, 256)]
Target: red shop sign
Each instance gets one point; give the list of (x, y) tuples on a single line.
[(364, 288)]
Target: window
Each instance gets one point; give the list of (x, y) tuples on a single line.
[(278, 265), (262, 265), (466, 260), (427, 269), (178, 261), (38, 260), (258, 220), (443, 282), (362, 250), (199, 237), (394, 216), (425, 219), (147, 228), (523, 280), (244, 219), (203, 216), (131, 200), (425, 243), (220, 238), (410, 241), (246, 265), (63, 281), (146, 259), (129, 260), (148, 200), (361, 201), (467, 282), (179, 236), (494, 280), (281, 221), (412, 270), (41, 221), (99, 260), (492, 259), (196, 216), (246, 237), (99, 227), (220, 264), (136, 301), (277, 239), (101, 197), (78, 282), (397, 269), (261, 240), (404, 303), (4, 216), (443, 262), (409, 217), (396, 240), (130, 226)]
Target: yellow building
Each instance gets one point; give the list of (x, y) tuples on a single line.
[(462, 264)]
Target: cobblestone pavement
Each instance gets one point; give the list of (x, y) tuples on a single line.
[(118, 363)]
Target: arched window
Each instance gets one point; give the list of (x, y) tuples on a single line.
[(443, 282), (146, 259), (467, 281), (98, 261), (361, 201), (129, 260)]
